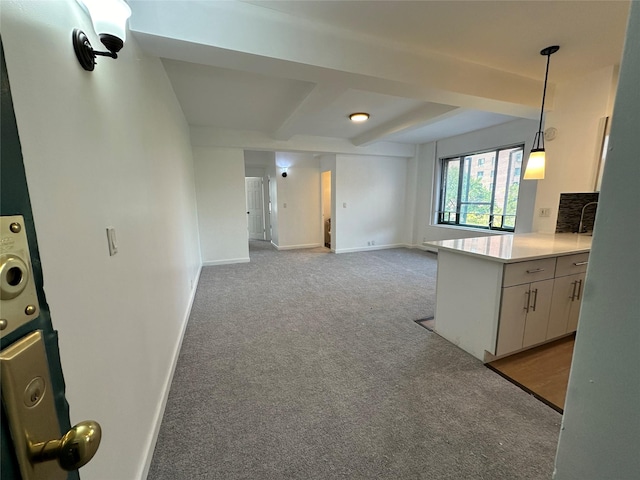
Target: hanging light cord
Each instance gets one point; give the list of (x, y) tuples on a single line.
[(538, 141)]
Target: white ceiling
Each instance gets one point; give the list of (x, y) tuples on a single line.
[(425, 70)]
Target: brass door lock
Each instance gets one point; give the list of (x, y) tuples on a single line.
[(28, 399)]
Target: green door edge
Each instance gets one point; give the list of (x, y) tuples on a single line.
[(14, 200)]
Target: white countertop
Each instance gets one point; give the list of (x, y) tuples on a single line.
[(517, 247)]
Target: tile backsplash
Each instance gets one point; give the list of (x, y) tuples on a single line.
[(570, 209)]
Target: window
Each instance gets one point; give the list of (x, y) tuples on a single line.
[(481, 195)]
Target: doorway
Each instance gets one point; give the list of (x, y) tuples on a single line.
[(327, 229), (254, 189)]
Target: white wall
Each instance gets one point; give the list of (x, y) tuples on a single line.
[(425, 171), (601, 425), (572, 157), (106, 148), (373, 189), (222, 214), (299, 201)]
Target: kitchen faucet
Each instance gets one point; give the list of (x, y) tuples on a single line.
[(580, 227)]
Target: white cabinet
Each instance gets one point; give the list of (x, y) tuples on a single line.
[(540, 301), (498, 295), (525, 304)]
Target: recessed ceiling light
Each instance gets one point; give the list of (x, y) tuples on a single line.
[(359, 117)]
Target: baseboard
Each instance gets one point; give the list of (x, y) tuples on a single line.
[(424, 248), (370, 248), (167, 385), (296, 247), (225, 262)]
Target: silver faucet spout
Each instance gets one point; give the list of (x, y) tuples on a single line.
[(580, 227)]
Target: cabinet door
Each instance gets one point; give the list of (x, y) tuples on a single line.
[(565, 306), (535, 328), (513, 313), (574, 314)]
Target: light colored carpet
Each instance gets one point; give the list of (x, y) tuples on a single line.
[(308, 365)]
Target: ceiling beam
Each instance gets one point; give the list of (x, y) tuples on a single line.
[(231, 35), (419, 117)]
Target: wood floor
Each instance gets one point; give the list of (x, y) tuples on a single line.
[(542, 371)]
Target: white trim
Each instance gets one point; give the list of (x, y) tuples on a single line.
[(225, 262), (373, 247), (424, 248), (167, 384), (295, 247)]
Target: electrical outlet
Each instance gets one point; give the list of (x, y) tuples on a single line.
[(545, 212), (369, 244), (373, 242)]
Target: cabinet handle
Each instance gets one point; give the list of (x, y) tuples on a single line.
[(536, 270), (579, 289), (579, 264), (573, 293), (535, 299), (526, 305)]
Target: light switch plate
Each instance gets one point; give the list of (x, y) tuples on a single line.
[(111, 239)]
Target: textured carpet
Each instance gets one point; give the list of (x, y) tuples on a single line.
[(308, 365)]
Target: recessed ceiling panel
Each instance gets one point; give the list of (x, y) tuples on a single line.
[(332, 120), (225, 98)]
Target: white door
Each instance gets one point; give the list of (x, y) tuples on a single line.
[(255, 216)]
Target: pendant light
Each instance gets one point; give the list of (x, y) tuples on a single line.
[(535, 165)]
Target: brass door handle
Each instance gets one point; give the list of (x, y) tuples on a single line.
[(28, 400), (73, 450)]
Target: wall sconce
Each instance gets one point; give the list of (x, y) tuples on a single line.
[(109, 19), (536, 163), (284, 172)]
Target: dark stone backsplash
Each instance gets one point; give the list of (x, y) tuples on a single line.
[(570, 209)]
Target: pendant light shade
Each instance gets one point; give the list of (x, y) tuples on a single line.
[(535, 165), (537, 159)]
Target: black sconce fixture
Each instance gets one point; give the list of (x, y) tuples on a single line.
[(109, 19), (284, 172), (536, 163)]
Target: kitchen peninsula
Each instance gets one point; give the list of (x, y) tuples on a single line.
[(501, 294)]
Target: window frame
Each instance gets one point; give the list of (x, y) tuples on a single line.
[(442, 165)]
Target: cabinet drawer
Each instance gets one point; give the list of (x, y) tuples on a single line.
[(526, 272), (570, 264)]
